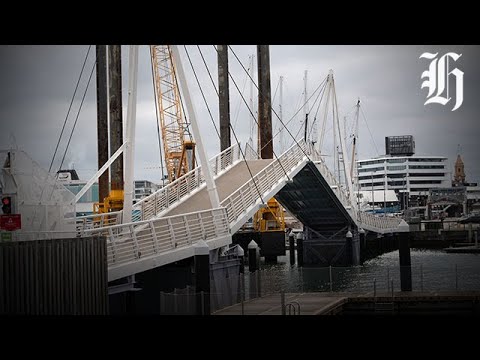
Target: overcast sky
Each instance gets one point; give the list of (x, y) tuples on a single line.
[(37, 84)]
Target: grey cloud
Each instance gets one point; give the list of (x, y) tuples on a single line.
[(38, 81)]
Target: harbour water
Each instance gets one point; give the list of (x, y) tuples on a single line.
[(432, 270)]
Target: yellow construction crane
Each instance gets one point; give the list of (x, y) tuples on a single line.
[(178, 146)]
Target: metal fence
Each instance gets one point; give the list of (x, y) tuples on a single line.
[(54, 277), (383, 282)]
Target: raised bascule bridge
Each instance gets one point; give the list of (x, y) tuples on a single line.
[(167, 224), (203, 205)]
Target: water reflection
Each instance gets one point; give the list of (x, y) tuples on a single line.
[(431, 270)]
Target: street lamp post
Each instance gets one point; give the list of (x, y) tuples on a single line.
[(384, 188), (373, 194)]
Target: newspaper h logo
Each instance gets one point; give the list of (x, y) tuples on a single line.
[(438, 75)]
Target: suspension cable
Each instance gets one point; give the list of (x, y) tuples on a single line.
[(274, 154), (230, 125), (322, 92), (201, 90), (158, 118), (270, 105), (69, 108), (373, 140), (78, 113)]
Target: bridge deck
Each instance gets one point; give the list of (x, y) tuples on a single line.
[(310, 304), (226, 184), (405, 302)]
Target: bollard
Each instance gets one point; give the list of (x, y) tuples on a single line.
[(300, 249), (404, 254), (291, 242), (282, 302), (363, 245), (476, 238), (348, 248), (202, 277), (252, 256), (374, 287)]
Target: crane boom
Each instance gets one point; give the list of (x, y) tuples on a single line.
[(178, 146)]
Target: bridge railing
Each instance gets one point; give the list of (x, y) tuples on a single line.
[(134, 241), (248, 194), (361, 218), (162, 199), (96, 221)]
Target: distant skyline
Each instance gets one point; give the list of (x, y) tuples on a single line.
[(38, 82)]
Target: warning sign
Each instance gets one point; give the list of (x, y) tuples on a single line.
[(10, 222)]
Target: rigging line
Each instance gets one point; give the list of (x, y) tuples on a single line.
[(322, 92), (201, 90), (324, 84), (373, 140), (237, 111), (78, 113), (187, 130), (158, 117), (235, 135), (274, 154), (206, 66), (275, 94), (270, 105), (69, 108)]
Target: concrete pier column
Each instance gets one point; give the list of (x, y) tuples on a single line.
[(348, 248), (403, 234), (291, 244), (300, 249), (202, 277)]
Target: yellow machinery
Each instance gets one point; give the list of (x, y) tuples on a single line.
[(178, 147), (270, 218), (113, 202)]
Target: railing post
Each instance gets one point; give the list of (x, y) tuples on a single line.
[(421, 277), (114, 246), (172, 233), (136, 253), (175, 303), (202, 228), (187, 229), (154, 235), (456, 278), (388, 279), (330, 275)]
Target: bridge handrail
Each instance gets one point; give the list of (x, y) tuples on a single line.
[(96, 221), (361, 218), (247, 195), (126, 243), (163, 198)]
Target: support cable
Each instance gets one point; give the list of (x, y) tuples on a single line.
[(69, 108)]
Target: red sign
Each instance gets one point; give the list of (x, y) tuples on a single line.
[(10, 222)]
